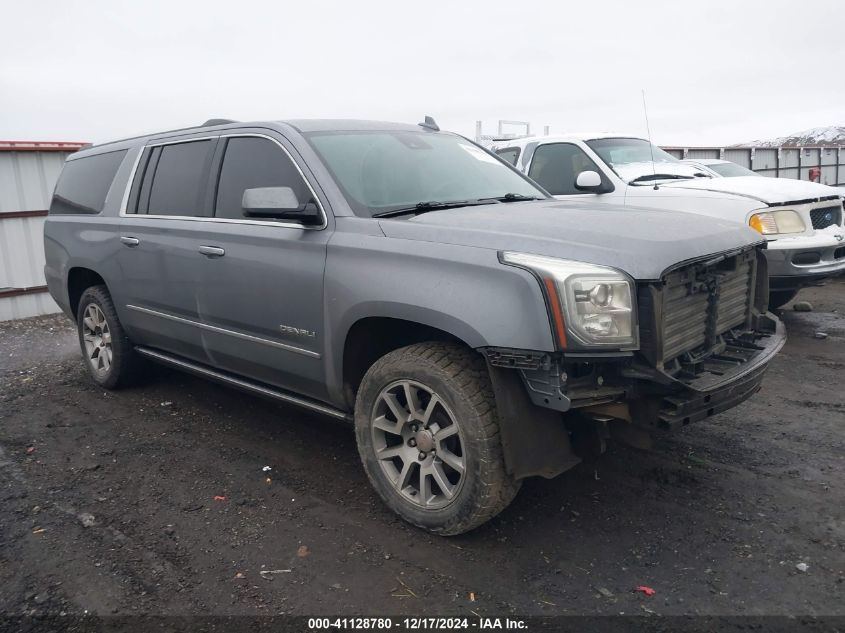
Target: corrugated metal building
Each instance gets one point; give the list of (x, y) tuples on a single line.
[(28, 174), (824, 164)]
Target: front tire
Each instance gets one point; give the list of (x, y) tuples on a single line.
[(428, 436), (107, 351)]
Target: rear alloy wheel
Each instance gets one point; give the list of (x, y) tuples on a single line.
[(428, 435), (96, 340), (108, 352)]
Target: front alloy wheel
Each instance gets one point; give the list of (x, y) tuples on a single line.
[(428, 436), (418, 444)]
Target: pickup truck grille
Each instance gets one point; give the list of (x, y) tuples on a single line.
[(826, 216), (693, 306)]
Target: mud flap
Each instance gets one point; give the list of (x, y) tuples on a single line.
[(535, 440)]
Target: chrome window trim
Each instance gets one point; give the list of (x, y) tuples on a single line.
[(289, 225), (125, 201), (220, 330)]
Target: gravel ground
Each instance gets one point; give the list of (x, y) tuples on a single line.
[(109, 503)]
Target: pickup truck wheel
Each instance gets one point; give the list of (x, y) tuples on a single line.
[(779, 298), (107, 351), (428, 435)]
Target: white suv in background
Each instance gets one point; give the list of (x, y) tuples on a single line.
[(802, 221)]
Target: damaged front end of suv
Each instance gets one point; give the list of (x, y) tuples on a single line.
[(635, 356)]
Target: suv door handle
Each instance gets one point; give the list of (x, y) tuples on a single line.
[(212, 251), (129, 241)]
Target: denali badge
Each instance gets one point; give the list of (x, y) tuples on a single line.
[(297, 331)]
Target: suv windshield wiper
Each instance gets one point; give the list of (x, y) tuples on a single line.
[(432, 205), (512, 197), (660, 177)]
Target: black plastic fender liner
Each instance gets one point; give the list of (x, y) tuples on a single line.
[(534, 439)]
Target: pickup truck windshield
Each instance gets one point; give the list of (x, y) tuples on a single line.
[(384, 171), (621, 151), (631, 159)]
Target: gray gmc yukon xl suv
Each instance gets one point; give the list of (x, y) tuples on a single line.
[(474, 330)]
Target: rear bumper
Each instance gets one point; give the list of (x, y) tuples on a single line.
[(803, 260)]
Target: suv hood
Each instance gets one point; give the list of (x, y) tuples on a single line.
[(641, 242), (767, 190)]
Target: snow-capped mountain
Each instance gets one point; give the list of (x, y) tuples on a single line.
[(831, 135)]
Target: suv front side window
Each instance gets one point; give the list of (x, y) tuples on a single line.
[(555, 167), (252, 162)]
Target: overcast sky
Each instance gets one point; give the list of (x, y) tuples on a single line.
[(714, 71)]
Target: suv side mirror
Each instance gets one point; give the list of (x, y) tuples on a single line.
[(278, 203), (590, 181)]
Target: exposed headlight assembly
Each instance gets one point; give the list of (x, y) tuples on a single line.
[(777, 222), (590, 306)]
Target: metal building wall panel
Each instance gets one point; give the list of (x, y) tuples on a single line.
[(765, 159), (829, 155), (810, 157), (24, 306), (27, 179), (22, 252), (789, 158), (829, 175), (739, 156), (703, 153), (777, 161)]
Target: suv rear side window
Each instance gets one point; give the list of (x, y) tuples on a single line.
[(252, 162), (175, 179), (510, 154), (84, 183), (555, 166)]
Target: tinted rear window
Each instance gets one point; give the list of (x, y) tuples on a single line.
[(178, 184), (84, 183)]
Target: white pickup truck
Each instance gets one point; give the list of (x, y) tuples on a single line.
[(802, 221)]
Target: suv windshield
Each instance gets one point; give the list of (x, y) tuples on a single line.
[(383, 171)]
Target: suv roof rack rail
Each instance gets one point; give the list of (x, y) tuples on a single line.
[(211, 122)]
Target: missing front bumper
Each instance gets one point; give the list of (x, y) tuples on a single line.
[(700, 398)]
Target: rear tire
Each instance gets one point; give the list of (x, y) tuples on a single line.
[(107, 351), (428, 436), (779, 298)]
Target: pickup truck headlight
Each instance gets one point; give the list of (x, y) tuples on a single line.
[(777, 222), (589, 306)]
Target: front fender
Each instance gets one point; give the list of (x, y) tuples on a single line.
[(464, 291)]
